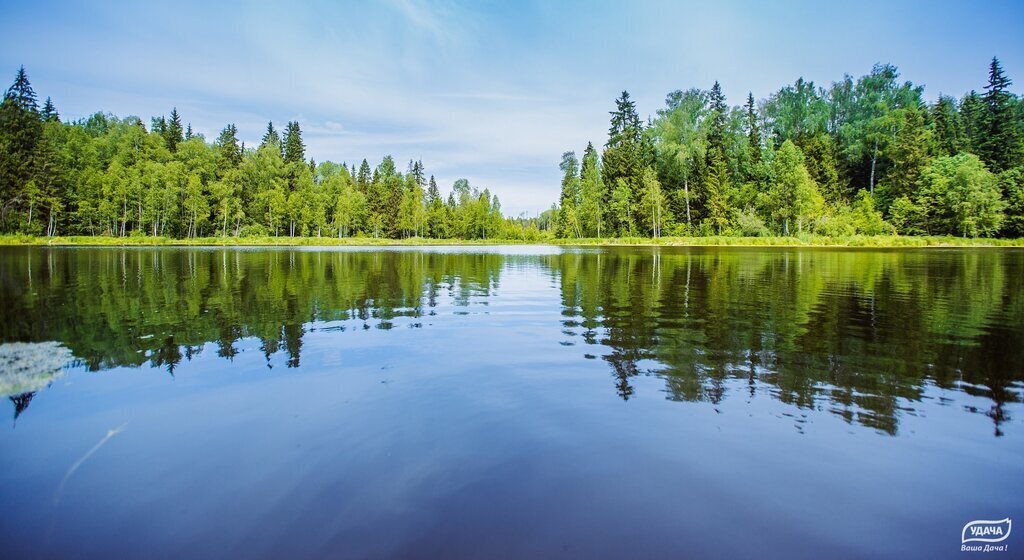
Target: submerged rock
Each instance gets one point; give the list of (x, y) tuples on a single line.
[(29, 366)]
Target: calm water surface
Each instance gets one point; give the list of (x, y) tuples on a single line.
[(508, 402)]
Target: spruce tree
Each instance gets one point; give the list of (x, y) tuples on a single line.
[(716, 134), (972, 112), (21, 133), (1000, 145), (568, 214), (948, 126), (228, 148), (49, 113), (363, 178), (21, 93), (294, 149), (173, 135), (908, 152), (753, 131), (625, 159), (271, 137)]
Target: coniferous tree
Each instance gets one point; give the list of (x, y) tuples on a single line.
[(624, 162), (21, 133), (173, 135), (753, 131), (717, 125), (21, 92), (948, 127), (593, 195), (229, 150), (363, 178), (908, 153), (1000, 145), (49, 112), (294, 149), (272, 138), (972, 112), (569, 201)]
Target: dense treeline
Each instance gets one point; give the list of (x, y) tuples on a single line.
[(864, 156), (108, 176)]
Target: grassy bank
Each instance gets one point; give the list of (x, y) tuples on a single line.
[(802, 241)]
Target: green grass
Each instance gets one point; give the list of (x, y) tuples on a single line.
[(804, 241), (801, 241)]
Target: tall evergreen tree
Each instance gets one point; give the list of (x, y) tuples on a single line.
[(753, 131), (625, 158), (718, 122), (908, 152), (272, 138), (972, 113), (294, 149), (947, 126), (593, 194), (1000, 146), (174, 134), (21, 133), (363, 178), (49, 112), (569, 201), (21, 92), (228, 148)]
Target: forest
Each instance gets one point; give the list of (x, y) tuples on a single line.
[(865, 156), (109, 176)]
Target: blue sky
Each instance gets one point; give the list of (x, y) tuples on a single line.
[(490, 91)]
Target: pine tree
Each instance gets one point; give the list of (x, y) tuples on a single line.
[(188, 132), (173, 135), (593, 195), (1000, 147), (229, 151), (272, 138), (972, 112), (569, 201), (49, 113), (363, 178), (716, 134), (625, 158), (753, 131), (21, 92), (294, 149), (21, 132), (908, 153), (948, 126)]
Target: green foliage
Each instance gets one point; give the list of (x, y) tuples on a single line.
[(108, 176), (960, 197), (856, 158), (1011, 183), (999, 146), (569, 223)]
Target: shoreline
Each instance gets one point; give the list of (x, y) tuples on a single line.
[(880, 242)]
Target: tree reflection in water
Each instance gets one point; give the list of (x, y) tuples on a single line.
[(861, 334)]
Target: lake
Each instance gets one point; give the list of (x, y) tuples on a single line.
[(508, 402)]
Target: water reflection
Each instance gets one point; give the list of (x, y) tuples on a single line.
[(859, 334)]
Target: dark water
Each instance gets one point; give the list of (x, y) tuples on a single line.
[(509, 402)]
